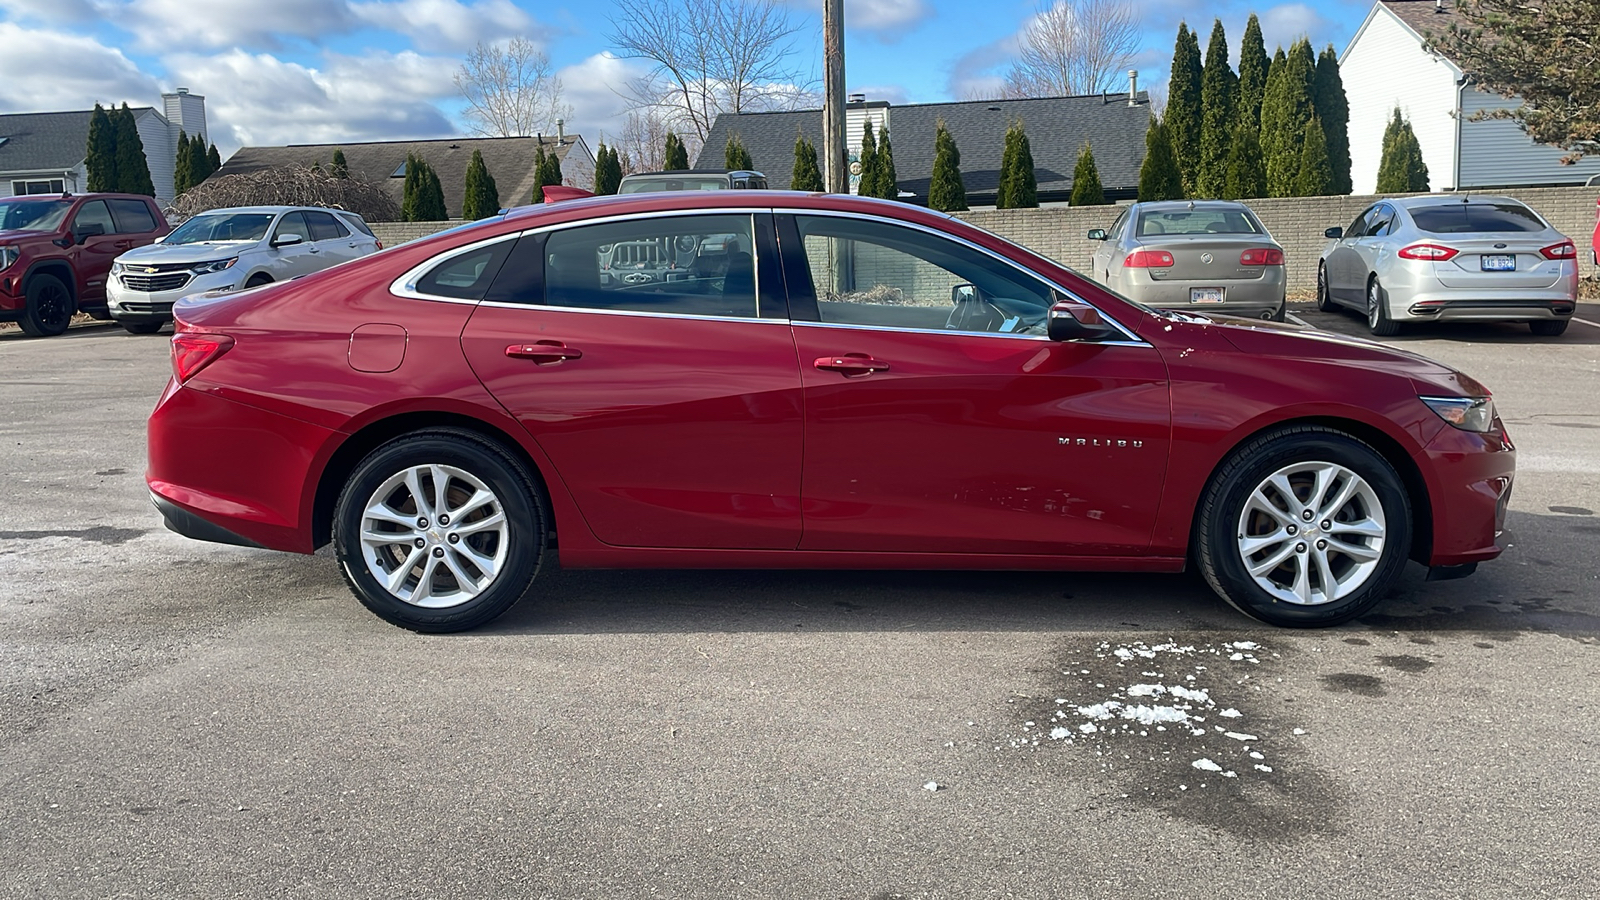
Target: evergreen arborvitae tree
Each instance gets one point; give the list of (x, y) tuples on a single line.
[(1271, 108), (1218, 87), (946, 191), (430, 197), (213, 161), (1315, 178), (1182, 117), (1293, 109), (199, 164), (541, 170), (1247, 176), (1401, 170), (1019, 188), (552, 165), (101, 154), (1253, 64), (677, 155), (340, 168), (133, 170), (480, 198), (1333, 109), (807, 175), (1086, 187), (408, 193), (183, 165), (867, 186), (735, 156), (887, 181), (607, 171), (1159, 178)]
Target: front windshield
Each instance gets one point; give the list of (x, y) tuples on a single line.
[(221, 227), (33, 215), (675, 183)]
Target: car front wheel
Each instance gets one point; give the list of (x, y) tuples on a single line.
[(440, 530), (1306, 527), (49, 307)]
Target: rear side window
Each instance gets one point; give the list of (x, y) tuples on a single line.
[(356, 222), (132, 217), (324, 227), (1466, 218), (466, 276), (1196, 221), (94, 213), (685, 265)]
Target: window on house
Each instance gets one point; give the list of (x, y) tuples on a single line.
[(42, 186)]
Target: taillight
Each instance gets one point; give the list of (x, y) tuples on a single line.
[(1428, 251), (1563, 250), (1148, 259), (193, 351), (1261, 256)]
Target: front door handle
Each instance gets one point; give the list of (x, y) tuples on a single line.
[(544, 353), (851, 364)]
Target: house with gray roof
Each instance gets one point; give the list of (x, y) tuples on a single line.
[(44, 153), (1058, 127), (510, 161)]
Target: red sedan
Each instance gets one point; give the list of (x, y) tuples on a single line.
[(721, 380)]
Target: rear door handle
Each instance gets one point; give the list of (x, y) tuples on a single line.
[(544, 353), (851, 364)]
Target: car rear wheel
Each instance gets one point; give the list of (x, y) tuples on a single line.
[(1549, 327), (1378, 321), (440, 530), (49, 307), (142, 327), (1306, 527), (1324, 299)]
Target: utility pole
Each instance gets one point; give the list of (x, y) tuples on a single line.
[(836, 173)]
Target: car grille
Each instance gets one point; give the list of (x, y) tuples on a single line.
[(152, 284), (147, 308)]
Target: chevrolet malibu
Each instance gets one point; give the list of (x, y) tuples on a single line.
[(813, 381)]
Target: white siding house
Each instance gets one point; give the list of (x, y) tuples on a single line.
[(1388, 64)]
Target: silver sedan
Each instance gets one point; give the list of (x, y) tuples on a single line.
[(1450, 258), (1210, 255)]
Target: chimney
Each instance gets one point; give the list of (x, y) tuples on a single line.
[(1133, 87), (561, 131), (1438, 6), (856, 98), (183, 91)]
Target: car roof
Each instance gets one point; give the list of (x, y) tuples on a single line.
[(695, 172), (693, 201), (271, 210)]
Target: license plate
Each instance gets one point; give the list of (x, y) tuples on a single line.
[(1205, 295), (1499, 263)]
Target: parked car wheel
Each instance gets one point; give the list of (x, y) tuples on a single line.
[(440, 530), (1304, 527), (1549, 328), (1324, 299), (143, 327), (1282, 313), (1378, 321), (49, 308), (258, 279)]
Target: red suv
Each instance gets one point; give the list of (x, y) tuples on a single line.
[(730, 379), (56, 254)]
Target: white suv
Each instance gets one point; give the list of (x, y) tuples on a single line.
[(230, 249)]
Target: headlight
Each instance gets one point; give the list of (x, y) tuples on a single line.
[(1465, 413), (217, 265), (8, 255)]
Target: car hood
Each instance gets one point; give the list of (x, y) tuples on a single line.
[(20, 234), (152, 254)]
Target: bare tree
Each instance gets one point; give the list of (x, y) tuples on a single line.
[(289, 186), (644, 140), (1072, 47), (510, 90), (709, 57)]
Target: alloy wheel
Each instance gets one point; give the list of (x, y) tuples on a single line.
[(434, 536), (1312, 533)]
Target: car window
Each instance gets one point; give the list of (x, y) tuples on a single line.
[(292, 223), (94, 213), (1196, 221), (466, 276), (684, 265), (34, 215), (132, 216), (1461, 218), (218, 227), (358, 223), (1379, 221), (1115, 233), (876, 273), (324, 227), (1358, 228)]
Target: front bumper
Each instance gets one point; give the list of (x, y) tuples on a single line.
[(126, 305), (1470, 477)]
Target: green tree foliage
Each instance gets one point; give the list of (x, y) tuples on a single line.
[(677, 155), (1315, 178), (946, 191), (1333, 109), (607, 170), (133, 170), (867, 185), (101, 154), (422, 195), (1247, 174), (807, 175), (199, 165), (1253, 65), (213, 161), (340, 168), (1289, 102), (1218, 90), (547, 171), (1019, 188), (735, 156), (1183, 105), (886, 182), (481, 196), (183, 166), (1401, 170), (1159, 178), (1086, 188), (1271, 109)]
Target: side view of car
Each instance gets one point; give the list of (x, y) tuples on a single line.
[(231, 249), (1450, 259), (1210, 255), (56, 254), (692, 180)]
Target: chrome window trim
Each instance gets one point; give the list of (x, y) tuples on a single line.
[(585, 310), (406, 285)]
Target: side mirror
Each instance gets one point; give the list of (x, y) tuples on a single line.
[(287, 240), (1336, 233), (1074, 321), (963, 293), (88, 230), (1097, 234)]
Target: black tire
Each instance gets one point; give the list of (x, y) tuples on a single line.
[(49, 307), (258, 279), (1324, 296), (142, 327), (515, 490), (1219, 533), (1549, 327), (1378, 321), (1282, 313)]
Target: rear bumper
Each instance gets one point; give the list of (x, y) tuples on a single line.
[(1491, 310), (1471, 477), (1251, 297)]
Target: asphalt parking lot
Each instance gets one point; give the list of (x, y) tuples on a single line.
[(181, 719)]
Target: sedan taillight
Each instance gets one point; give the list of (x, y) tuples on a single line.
[(1563, 250), (193, 351), (1148, 259), (1261, 256), (1428, 251)]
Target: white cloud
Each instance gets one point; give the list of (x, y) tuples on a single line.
[(889, 20), (1283, 25), (37, 80), (450, 24), (52, 11), (165, 24), (596, 89)]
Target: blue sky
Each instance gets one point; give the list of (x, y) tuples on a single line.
[(304, 71)]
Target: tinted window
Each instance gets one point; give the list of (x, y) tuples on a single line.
[(1462, 218), (292, 223), (33, 215), (1196, 221), (467, 276), (874, 273), (133, 216), (94, 213), (324, 227), (356, 222), (1359, 226), (1379, 220), (688, 265)]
